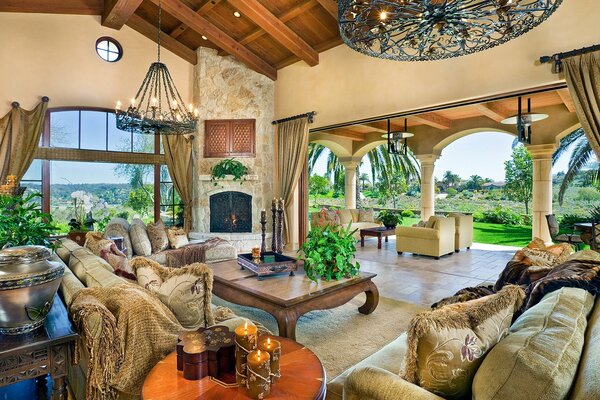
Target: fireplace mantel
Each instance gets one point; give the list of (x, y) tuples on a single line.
[(227, 178)]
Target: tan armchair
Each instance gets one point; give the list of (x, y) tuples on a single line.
[(464, 231), (435, 239)]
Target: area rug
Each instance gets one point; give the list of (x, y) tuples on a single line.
[(341, 337)]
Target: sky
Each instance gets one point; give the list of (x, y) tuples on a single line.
[(481, 154)]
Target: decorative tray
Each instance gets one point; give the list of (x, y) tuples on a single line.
[(282, 264)]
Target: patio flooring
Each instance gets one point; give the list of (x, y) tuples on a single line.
[(424, 280)]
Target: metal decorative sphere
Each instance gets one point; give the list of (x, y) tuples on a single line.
[(424, 30)]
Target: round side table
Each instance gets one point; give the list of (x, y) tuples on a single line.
[(302, 377)]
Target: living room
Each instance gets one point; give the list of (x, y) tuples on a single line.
[(157, 200)]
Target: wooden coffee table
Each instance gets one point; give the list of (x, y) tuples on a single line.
[(378, 232), (288, 297), (302, 377)]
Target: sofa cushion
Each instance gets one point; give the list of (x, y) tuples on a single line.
[(139, 239), (186, 291), (539, 357), (355, 214), (65, 248), (431, 222), (117, 229), (587, 381), (121, 221), (137, 221), (447, 345), (83, 260), (177, 238), (99, 277), (417, 232), (387, 358), (345, 217), (157, 232), (366, 215)]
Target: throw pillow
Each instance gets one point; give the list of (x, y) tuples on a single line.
[(139, 239), (431, 222), (177, 238), (93, 240), (345, 217), (329, 217), (117, 229), (366, 215), (421, 224), (447, 345), (107, 250), (157, 233), (121, 221), (186, 291)]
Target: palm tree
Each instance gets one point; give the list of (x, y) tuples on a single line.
[(363, 178), (450, 179), (582, 155)]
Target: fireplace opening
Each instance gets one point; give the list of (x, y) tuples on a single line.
[(230, 212)]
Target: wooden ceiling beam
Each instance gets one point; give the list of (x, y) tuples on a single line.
[(262, 17), (321, 47), (201, 25), (433, 120), (566, 98), (84, 7), (348, 134), (330, 6), (117, 12), (203, 10), (492, 111), (144, 27)]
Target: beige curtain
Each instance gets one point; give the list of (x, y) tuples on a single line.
[(583, 79), (178, 156), (292, 150), (20, 132)]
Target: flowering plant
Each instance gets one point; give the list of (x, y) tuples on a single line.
[(83, 204)]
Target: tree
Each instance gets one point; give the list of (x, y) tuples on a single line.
[(518, 173), (318, 185), (390, 190), (363, 178), (580, 159), (450, 179), (475, 182), (140, 201)]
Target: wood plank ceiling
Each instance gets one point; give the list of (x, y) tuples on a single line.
[(266, 35)]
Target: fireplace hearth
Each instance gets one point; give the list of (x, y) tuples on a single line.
[(230, 212)]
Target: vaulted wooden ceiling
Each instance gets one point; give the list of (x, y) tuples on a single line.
[(268, 34)]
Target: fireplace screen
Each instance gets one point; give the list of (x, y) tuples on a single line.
[(230, 212)]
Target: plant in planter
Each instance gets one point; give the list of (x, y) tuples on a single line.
[(328, 253), (390, 218), (23, 223), (229, 166)]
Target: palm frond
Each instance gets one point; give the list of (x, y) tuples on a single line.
[(566, 143), (582, 154)]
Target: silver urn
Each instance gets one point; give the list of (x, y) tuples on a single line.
[(28, 283)]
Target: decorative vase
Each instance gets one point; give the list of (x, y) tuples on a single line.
[(390, 226)]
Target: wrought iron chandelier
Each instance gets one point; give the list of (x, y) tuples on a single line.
[(397, 140), (423, 30), (157, 107), (524, 120)]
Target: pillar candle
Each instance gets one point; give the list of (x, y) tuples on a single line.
[(273, 347), (263, 216), (259, 372), (245, 342)]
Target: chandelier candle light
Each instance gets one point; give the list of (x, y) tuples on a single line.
[(397, 140), (423, 30), (157, 107)]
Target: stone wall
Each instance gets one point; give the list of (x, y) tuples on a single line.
[(224, 88)]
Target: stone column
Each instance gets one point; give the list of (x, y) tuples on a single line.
[(541, 204), (350, 164), (427, 162)]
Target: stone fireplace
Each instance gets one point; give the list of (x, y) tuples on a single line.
[(230, 212)]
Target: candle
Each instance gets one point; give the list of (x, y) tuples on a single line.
[(245, 342), (273, 347), (263, 216), (274, 204), (256, 252), (259, 372), (118, 107)]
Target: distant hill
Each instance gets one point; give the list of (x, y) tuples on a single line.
[(111, 193)]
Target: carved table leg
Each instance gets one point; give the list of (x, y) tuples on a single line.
[(59, 389), (372, 300), (362, 240), (379, 242), (286, 322)]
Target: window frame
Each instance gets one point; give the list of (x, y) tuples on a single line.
[(109, 40)]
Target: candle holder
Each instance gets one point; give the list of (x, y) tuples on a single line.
[(274, 239), (280, 228), (245, 342), (263, 235)]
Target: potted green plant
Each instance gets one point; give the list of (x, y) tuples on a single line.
[(229, 166), (23, 223), (328, 253), (390, 218)]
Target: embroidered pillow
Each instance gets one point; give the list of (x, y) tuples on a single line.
[(116, 229), (93, 240), (157, 233), (186, 291), (329, 217), (447, 345), (139, 239), (177, 238), (366, 215)]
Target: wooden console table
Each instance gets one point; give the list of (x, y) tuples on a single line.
[(46, 351)]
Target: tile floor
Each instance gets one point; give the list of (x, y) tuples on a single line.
[(424, 280)]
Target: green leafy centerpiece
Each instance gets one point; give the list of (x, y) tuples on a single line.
[(328, 253), (390, 218), (23, 223), (229, 166)]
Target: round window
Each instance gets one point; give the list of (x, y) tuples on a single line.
[(109, 49)]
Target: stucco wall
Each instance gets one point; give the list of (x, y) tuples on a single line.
[(348, 86), (55, 56)]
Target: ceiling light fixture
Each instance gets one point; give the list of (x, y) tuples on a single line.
[(237, 14), (397, 140), (157, 107), (204, 37), (422, 30), (524, 120)]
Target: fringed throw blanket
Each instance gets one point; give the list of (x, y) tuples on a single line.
[(134, 331), (192, 253)]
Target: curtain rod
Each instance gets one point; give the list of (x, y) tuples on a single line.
[(309, 115), (16, 104), (558, 57)]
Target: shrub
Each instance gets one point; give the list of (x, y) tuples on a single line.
[(588, 194), (451, 192), (478, 216), (467, 194), (504, 216), (569, 220), (407, 214)]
